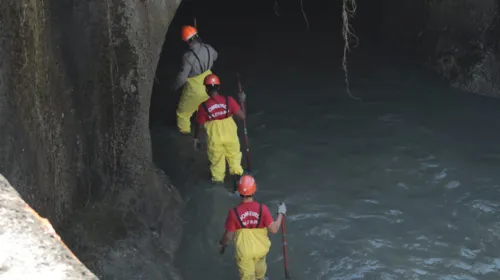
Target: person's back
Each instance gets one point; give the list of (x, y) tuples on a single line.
[(196, 65), (201, 57), (215, 115), (198, 59), (248, 224), (249, 220)]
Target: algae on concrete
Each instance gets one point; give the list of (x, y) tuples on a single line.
[(75, 86)]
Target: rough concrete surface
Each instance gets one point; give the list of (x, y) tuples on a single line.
[(30, 248), (75, 87)]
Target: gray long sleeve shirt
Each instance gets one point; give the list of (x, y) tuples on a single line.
[(199, 58)]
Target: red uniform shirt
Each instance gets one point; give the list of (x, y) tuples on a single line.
[(216, 107), (249, 215)]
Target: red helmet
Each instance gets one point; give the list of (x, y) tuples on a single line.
[(247, 185), (187, 32), (211, 80)]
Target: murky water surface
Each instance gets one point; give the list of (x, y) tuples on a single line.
[(404, 185)]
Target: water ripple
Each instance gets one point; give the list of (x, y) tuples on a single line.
[(298, 217), (485, 206)]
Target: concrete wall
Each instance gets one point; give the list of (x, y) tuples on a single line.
[(75, 88)]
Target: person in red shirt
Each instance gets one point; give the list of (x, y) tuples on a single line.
[(223, 144), (248, 225)]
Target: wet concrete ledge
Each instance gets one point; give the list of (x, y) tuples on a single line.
[(30, 248)]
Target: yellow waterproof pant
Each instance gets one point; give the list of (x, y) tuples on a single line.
[(193, 94), (252, 246), (223, 145), (252, 269)]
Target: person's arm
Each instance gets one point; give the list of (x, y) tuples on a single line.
[(236, 109), (197, 130), (182, 77), (199, 121), (214, 53), (274, 227), (226, 237), (240, 114)]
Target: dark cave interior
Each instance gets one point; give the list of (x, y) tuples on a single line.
[(251, 36)]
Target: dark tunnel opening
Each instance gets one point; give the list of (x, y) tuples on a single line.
[(315, 147), (254, 36)]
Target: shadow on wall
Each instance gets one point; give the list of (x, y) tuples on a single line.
[(164, 99), (75, 93), (220, 24)]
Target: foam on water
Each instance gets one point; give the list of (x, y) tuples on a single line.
[(484, 206), (452, 185)]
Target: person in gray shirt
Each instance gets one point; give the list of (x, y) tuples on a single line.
[(197, 63)]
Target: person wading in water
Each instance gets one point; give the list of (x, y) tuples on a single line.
[(248, 225), (223, 144), (197, 63)]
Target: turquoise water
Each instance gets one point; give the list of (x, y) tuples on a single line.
[(403, 185)]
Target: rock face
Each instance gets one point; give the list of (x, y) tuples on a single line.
[(460, 39), (75, 88), (467, 51)]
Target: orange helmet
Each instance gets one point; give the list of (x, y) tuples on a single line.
[(187, 32), (211, 80), (247, 185)]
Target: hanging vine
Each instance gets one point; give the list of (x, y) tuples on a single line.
[(348, 11)]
